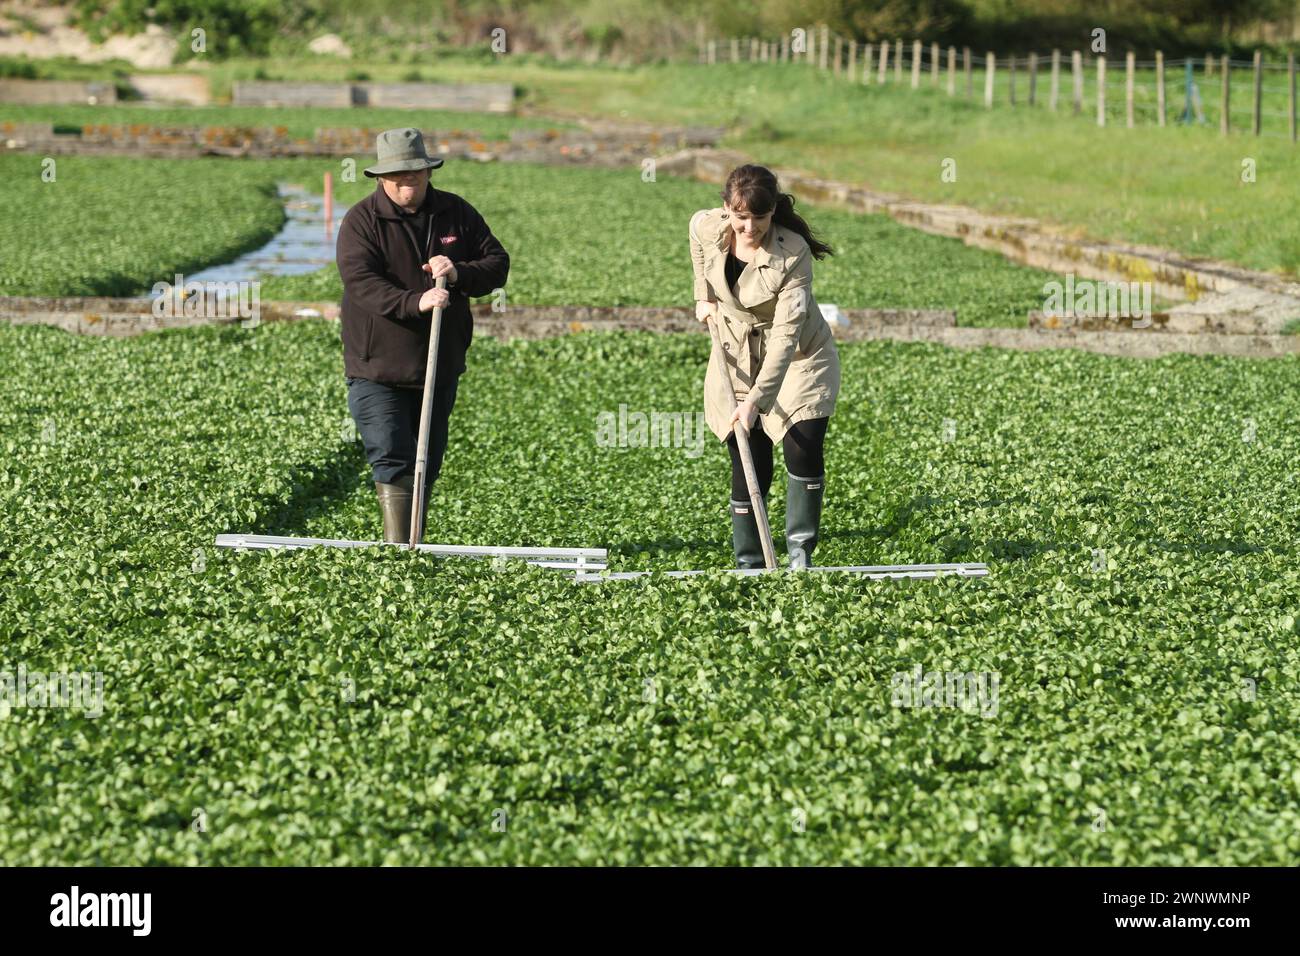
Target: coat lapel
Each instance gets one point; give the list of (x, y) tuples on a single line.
[(749, 285)]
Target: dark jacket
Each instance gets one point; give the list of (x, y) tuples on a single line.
[(385, 337)]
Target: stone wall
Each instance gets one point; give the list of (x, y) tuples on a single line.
[(266, 93), (189, 88), (54, 92), (461, 97)]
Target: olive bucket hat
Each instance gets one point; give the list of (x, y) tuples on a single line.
[(400, 151)]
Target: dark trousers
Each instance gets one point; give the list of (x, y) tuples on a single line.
[(803, 446), (388, 419)]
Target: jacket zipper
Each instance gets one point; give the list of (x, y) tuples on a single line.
[(428, 237)]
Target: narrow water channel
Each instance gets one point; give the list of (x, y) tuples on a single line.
[(300, 246)]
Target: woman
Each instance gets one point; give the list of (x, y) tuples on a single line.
[(753, 276)]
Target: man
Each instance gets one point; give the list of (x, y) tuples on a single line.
[(392, 247)]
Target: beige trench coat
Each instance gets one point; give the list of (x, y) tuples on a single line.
[(778, 348)]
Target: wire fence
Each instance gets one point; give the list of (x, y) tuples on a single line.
[(1232, 95)]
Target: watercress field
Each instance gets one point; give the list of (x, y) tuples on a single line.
[(115, 226), (381, 707)]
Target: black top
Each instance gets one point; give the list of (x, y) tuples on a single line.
[(420, 225), (733, 270), (385, 336)]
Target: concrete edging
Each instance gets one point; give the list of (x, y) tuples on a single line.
[(130, 317)]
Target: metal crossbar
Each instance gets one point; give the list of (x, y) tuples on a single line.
[(583, 560), (590, 564), (876, 572)]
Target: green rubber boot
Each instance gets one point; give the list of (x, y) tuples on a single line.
[(395, 505), (803, 516), (744, 535)]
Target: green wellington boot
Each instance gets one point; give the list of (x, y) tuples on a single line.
[(803, 516), (395, 504), (744, 535)]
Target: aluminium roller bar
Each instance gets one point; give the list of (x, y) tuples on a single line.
[(570, 559), (870, 571)]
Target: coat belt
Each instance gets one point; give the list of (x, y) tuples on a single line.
[(742, 333)]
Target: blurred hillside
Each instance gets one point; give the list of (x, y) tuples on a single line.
[(649, 30)]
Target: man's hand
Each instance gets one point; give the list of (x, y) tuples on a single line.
[(440, 266), (434, 298), (745, 413), (704, 310)]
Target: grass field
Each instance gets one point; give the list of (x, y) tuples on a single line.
[(115, 226), (370, 708)]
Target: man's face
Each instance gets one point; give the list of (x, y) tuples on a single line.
[(406, 189)]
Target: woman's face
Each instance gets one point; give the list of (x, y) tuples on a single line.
[(747, 226)]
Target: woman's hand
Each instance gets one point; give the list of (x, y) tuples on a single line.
[(745, 413), (434, 298), (440, 266), (705, 310)]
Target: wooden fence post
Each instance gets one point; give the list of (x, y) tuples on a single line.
[(916, 63), (1054, 92), (1076, 70), (1033, 78), (1209, 65), (1011, 78), (952, 71), (810, 45), (823, 49), (1290, 71), (1160, 88), (934, 65), (990, 67), (735, 49), (1101, 91), (1226, 100), (898, 61), (839, 50), (884, 62), (970, 77), (713, 52), (1259, 87), (867, 51), (853, 59), (1129, 67)]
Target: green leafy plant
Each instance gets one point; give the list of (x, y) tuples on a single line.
[(108, 227), (377, 706)]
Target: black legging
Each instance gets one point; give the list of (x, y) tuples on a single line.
[(802, 446)]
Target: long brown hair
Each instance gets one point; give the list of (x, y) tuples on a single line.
[(754, 189)]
